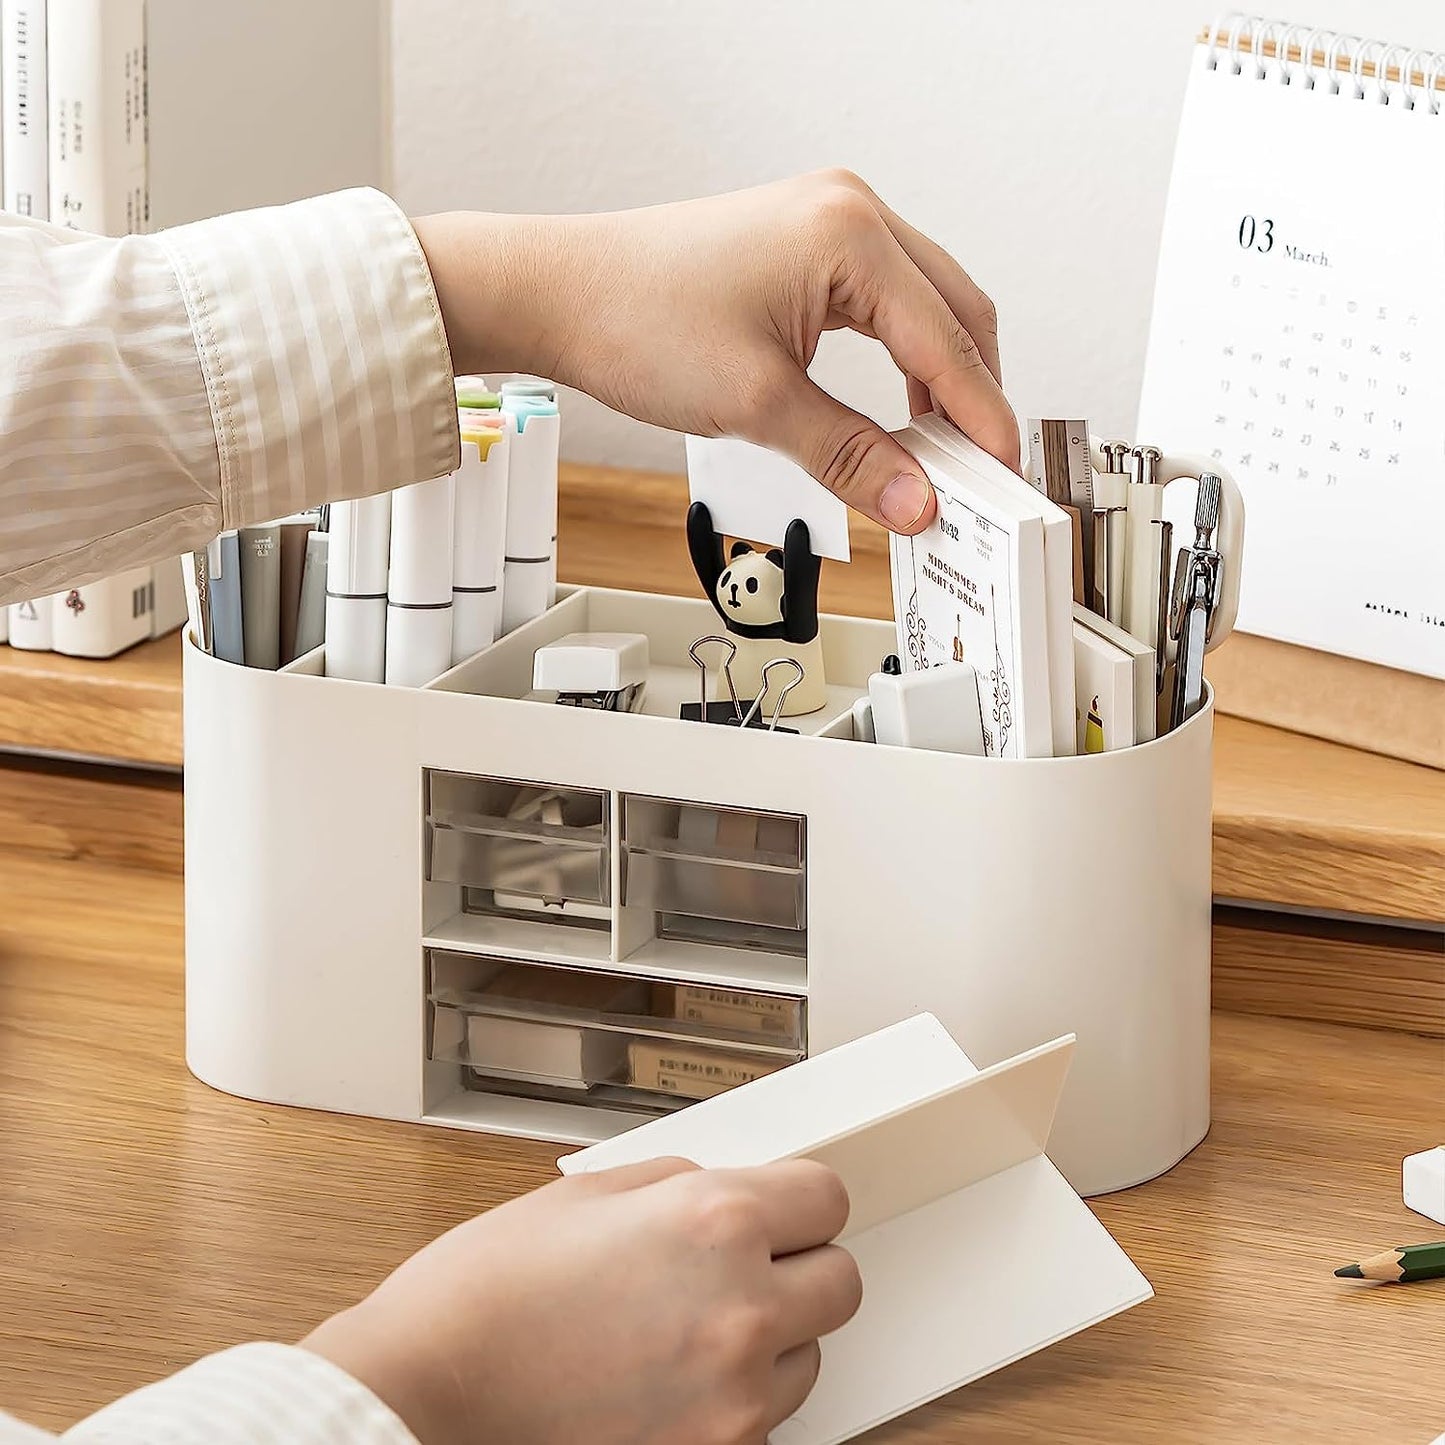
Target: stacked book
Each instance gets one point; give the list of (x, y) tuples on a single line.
[(73, 148)]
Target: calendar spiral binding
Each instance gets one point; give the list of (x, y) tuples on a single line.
[(1311, 57)]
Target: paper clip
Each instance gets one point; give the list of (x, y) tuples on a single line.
[(726, 672), (754, 710)]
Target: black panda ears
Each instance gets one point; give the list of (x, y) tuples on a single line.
[(739, 548), (775, 556)]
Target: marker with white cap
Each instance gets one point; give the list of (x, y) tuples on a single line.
[(480, 533), (356, 567), (530, 574), (419, 583)]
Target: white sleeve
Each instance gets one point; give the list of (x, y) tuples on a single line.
[(157, 389), (261, 1394)]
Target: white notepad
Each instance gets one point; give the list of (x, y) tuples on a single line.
[(990, 582), (974, 1250)]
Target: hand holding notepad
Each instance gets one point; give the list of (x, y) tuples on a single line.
[(973, 1249)]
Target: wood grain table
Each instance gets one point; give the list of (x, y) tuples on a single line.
[(147, 1219)]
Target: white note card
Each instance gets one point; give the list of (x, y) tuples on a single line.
[(753, 493), (1298, 336)]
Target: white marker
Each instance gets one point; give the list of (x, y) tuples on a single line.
[(419, 585), (479, 544), (530, 575), (356, 566)]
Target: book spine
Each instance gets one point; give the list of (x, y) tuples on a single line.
[(97, 109), (24, 159)]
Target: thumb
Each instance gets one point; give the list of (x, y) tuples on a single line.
[(853, 457)]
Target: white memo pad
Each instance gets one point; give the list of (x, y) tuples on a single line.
[(754, 493), (974, 1250)]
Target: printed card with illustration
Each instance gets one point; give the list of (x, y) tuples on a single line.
[(971, 588)]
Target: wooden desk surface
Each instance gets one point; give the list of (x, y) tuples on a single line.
[(1298, 822), (146, 1219)]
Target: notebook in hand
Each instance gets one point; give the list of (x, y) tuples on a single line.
[(974, 1250)]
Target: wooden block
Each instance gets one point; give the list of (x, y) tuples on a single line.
[(1378, 709), (118, 817), (123, 709), (1329, 972)]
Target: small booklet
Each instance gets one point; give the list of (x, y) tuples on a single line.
[(990, 583), (1114, 685)]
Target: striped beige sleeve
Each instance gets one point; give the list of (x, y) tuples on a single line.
[(260, 1394), (157, 389)]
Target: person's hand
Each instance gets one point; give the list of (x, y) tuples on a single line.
[(703, 316), (658, 1304)]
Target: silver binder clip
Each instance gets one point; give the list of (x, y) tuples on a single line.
[(725, 672), (787, 687), (1195, 598)]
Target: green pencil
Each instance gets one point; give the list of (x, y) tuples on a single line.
[(1400, 1266)]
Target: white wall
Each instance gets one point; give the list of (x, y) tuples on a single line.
[(1033, 138), (254, 102)]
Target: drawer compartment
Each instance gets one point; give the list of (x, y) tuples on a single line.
[(529, 846), (716, 863), (546, 1028)]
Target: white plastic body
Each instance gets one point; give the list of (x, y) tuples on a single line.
[(530, 577), (419, 583), (24, 152), (31, 624), (479, 536), (106, 617), (307, 915), (591, 662), (418, 644), (356, 571), (937, 709), (1423, 1176), (4, 624)]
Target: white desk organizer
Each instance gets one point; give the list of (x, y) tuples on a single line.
[(355, 888)]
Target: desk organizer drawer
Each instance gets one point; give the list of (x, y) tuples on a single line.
[(724, 864), (518, 839), (581, 1030)]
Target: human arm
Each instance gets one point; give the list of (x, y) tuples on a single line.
[(155, 390)]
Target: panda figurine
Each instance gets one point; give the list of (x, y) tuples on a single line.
[(768, 602)]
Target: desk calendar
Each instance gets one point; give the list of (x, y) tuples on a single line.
[(1298, 332)]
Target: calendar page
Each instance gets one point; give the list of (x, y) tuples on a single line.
[(1298, 337)]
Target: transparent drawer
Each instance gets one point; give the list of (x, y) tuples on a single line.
[(550, 1028), (525, 843), (718, 863)]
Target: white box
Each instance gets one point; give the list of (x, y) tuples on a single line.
[(1017, 901), (1424, 1183)]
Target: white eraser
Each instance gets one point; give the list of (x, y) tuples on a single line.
[(1424, 1177), (591, 662), (936, 708)]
